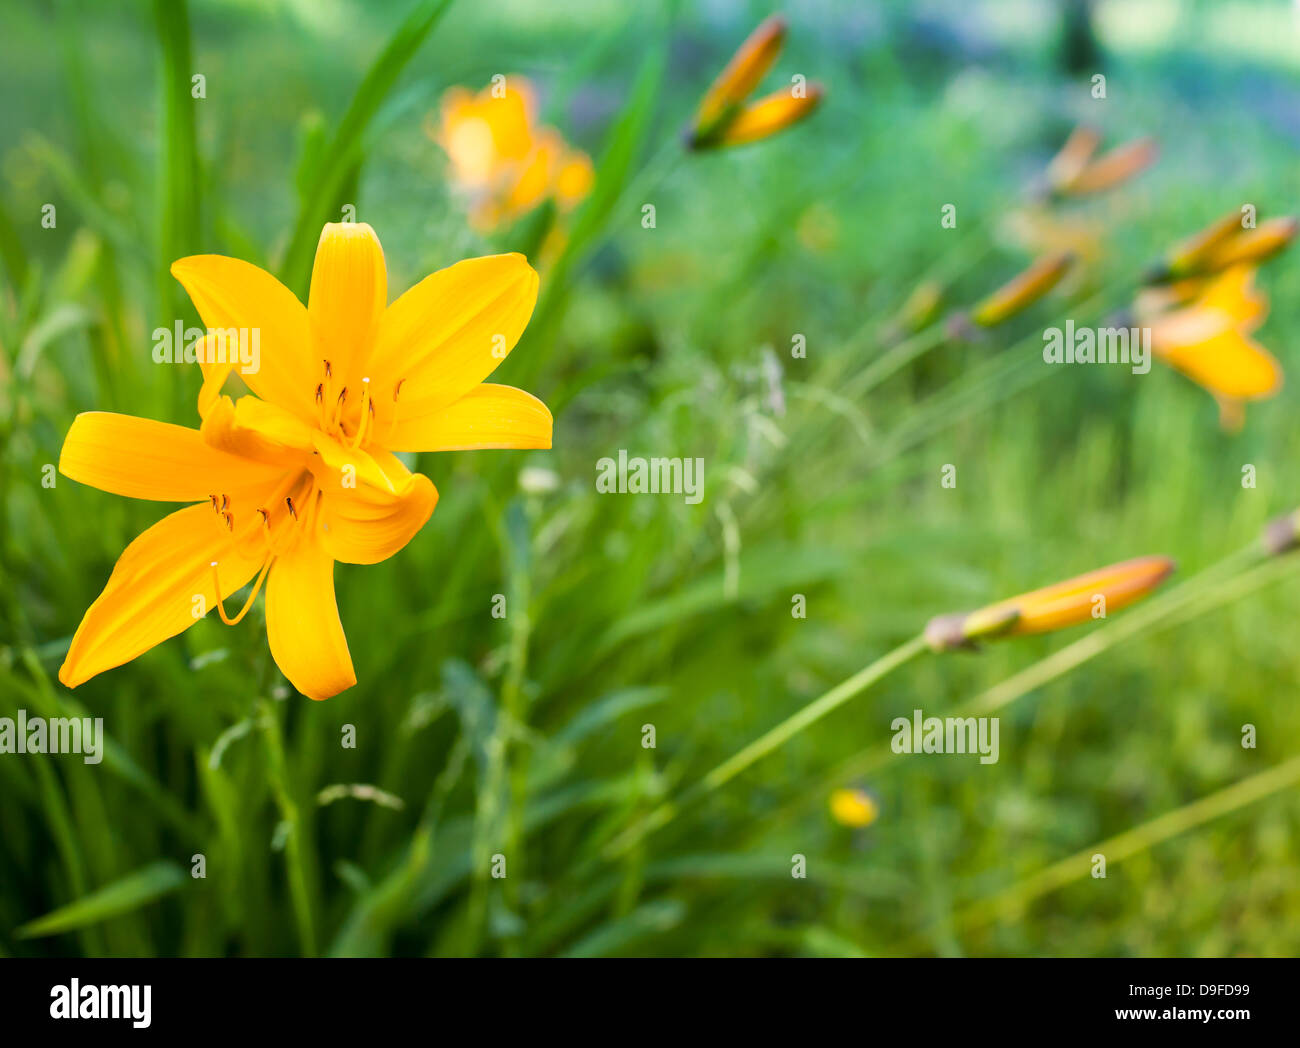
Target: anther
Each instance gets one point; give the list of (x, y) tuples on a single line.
[(230, 521), (397, 389), (288, 501), (320, 392)]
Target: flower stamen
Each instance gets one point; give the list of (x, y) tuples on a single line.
[(257, 588)]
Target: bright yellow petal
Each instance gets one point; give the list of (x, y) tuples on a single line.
[(769, 115), (448, 333), (302, 623), (144, 459), (254, 429), (229, 293), (349, 292), (162, 580), (488, 416), (1229, 365), (368, 522)]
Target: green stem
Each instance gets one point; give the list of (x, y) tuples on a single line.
[(768, 742), (1202, 593), (1131, 842)]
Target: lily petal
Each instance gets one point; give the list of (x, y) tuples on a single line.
[(368, 524), (349, 292), (230, 293), (488, 416), (144, 459), (154, 591), (1230, 365), (254, 429), (449, 332), (303, 625)]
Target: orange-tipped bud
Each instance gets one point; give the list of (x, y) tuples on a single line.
[(771, 114), (1019, 294), (1188, 257), (1112, 169), (1065, 167), (1068, 603), (737, 81), (853, 808), (724, 119), (1253, 246)]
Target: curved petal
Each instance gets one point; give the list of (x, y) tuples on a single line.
[(230, 293), (1230, 365), (488, 416), (302, 623), (254, 429), (369, 524), (144, 459), (349, 292), (449, 332), (162, 584)]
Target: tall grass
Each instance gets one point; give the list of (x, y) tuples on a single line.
[(522, 737)]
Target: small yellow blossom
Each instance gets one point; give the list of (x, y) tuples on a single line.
[(853, 808)]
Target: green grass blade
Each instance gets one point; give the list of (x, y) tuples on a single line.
[(338, 161), (113, 900)]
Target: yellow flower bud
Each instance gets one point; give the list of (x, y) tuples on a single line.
[(1019, 294), (1064, 604)]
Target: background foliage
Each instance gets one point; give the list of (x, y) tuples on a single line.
[(522, 735)]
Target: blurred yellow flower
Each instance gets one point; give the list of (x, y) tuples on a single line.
[(302, 473), (501, 160), (725, 118), (853, 808), (1208, 341), (1055, 607)]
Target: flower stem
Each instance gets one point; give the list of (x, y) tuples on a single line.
[(767, 743)]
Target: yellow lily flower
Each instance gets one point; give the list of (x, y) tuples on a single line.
[(853, 808), (302, 472), (1208, 341), (724, 118), (1054, 607), (501, 160)]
